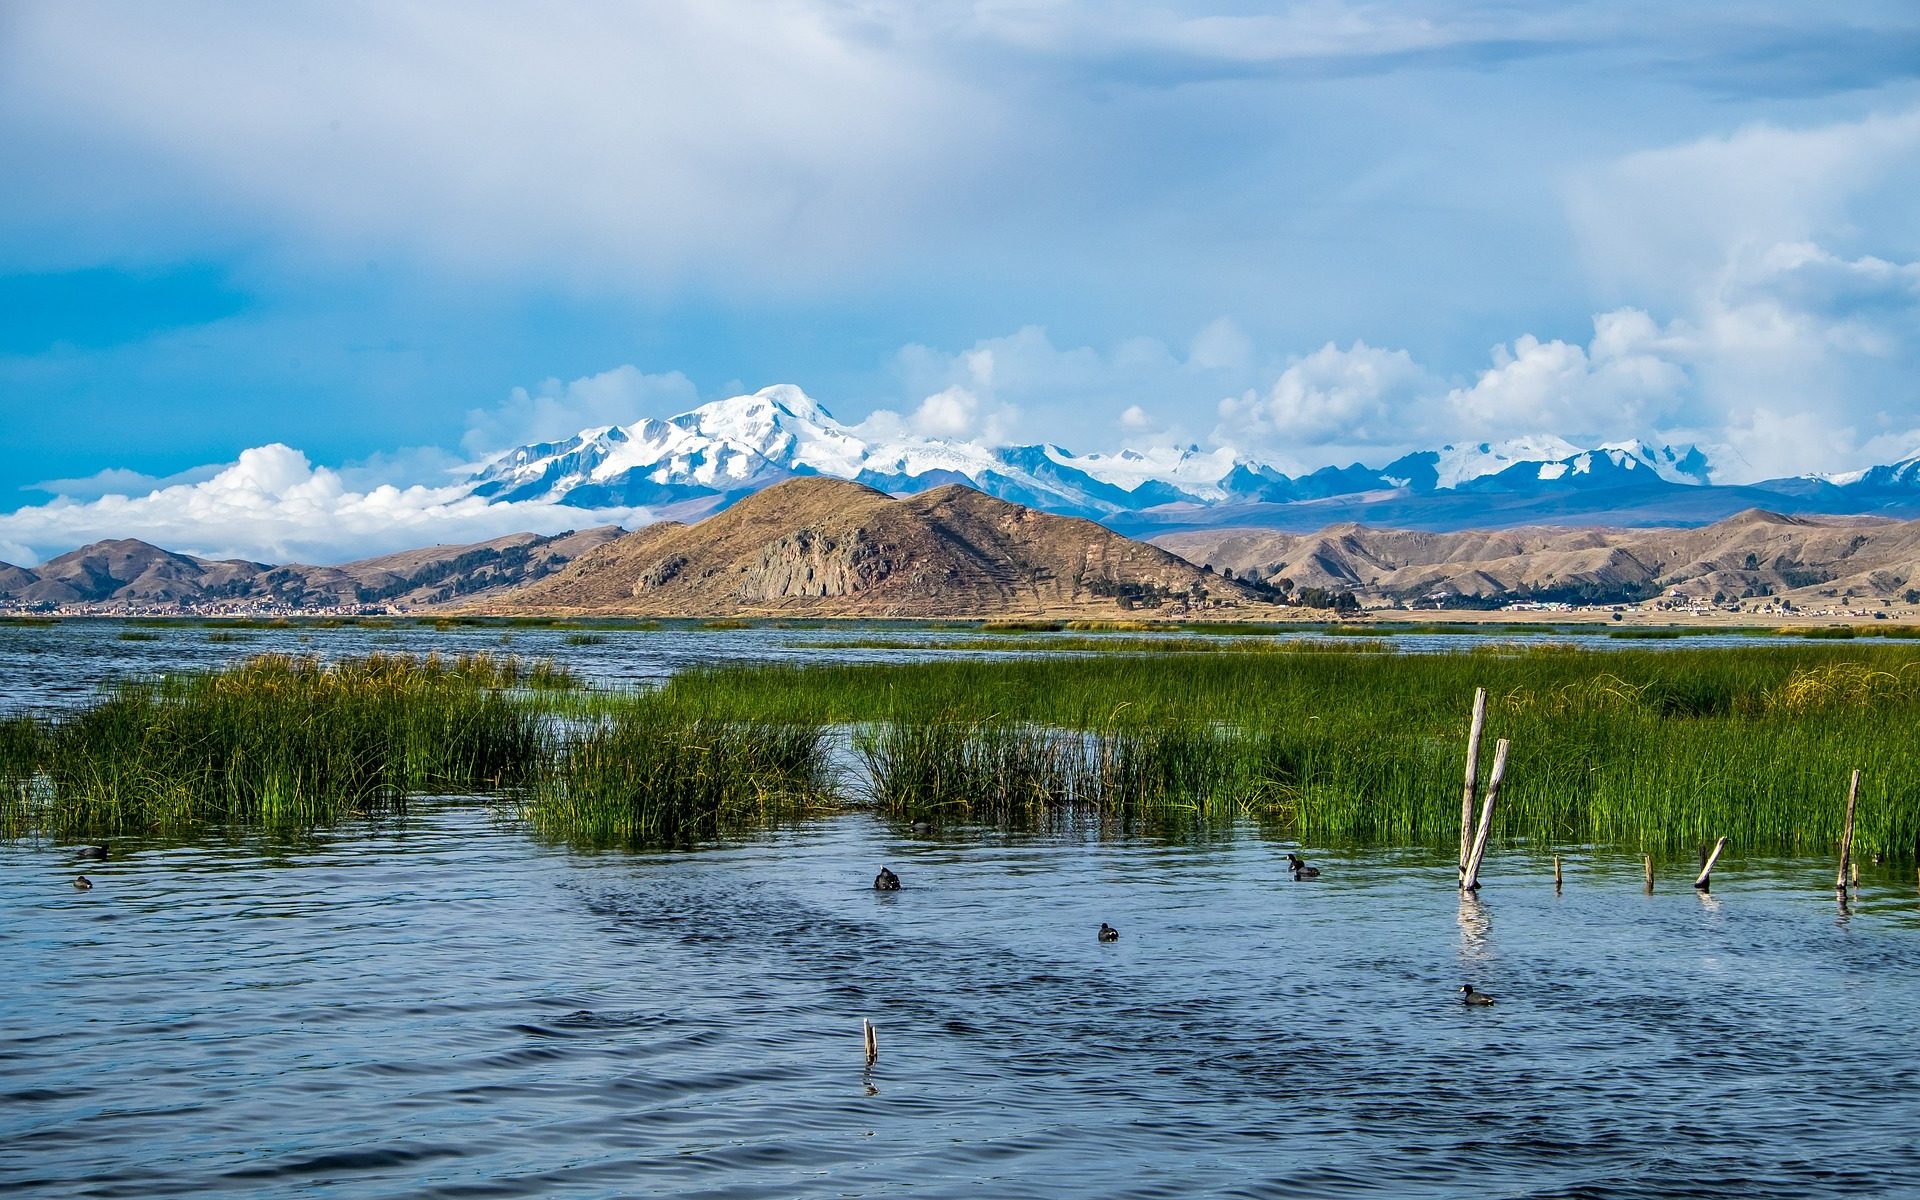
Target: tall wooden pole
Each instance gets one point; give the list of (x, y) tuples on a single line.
[(1471, 879), (1846, 839), (1473, 779)]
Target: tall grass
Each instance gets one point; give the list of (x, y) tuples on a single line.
[(649, 777), (279, 740), (1657, 750)]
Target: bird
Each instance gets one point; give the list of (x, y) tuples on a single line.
[(82, 884), (1300, 868), (1108, 933), (1469, 996), (886, 881), (99, 851)]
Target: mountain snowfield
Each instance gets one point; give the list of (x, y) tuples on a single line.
[(705, 458)]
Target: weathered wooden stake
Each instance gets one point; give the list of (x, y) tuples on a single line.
[(1846, 839), (1473, 779), (1705, 882), (1649, 874), (873, 1042), (1556, 872), (1471, 881)]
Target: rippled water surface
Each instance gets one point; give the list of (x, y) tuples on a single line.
[(447, 1008)]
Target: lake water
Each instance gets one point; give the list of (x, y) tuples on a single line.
[(446, 1007)]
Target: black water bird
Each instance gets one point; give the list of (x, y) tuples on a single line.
[(1300, 868), (1469, 996), (82, 884), (99, 851), (1108, 933), (886, 881)]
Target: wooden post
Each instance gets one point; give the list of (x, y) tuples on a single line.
[(873, 1043), (1471, 881), (1473, 779), (1846, 839), (1649, 874), (1556, 872), (1705, 882)]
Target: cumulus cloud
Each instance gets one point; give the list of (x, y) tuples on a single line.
[(1360, 396), (556, 410), (272, 505), (1622, 382), (1799, 332)]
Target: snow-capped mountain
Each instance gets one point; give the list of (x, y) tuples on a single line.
[(703, 459)]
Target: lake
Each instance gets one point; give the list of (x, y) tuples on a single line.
[(444, 1006)]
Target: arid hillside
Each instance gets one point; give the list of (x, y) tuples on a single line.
[(829, 547), (1756, 553), (135, 574)]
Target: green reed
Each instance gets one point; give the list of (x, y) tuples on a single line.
[(279, 740), (1654, 749), (649, 777)]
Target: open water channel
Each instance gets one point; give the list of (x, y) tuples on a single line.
[(444, 1006)]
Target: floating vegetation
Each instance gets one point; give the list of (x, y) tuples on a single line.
[(138, 635), (585, 639), (652, 778)]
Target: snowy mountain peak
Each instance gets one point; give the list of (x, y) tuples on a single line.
[(703, 458)]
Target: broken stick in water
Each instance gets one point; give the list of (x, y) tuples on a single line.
[(1473, 779), (1556, 872), (1846, 839), (873, 1043), (1471, 880), (1649, 874), (1705, 882)]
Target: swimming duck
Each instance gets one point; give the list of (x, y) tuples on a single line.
[(1108, 933), (99, 851), (886, 881), (1469, 996), (1300, 868), (82, 884)]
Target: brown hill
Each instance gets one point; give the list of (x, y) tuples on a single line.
[(132, 573), (1752, 554), (830, 547)]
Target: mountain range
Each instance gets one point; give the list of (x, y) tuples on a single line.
[(831, 547), (703, 460), (128, 573), (1754, 555)]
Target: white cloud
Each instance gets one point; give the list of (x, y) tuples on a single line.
[(272, 505), (1360, 396), (119, 481), (1620, 383), (557, 410)]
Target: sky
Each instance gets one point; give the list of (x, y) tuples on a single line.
[(297, 265)]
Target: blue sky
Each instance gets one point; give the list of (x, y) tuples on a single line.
[(1313, 232)]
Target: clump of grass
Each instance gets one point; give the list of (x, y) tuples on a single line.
[(649, 778), (280, 740), (1831, 633), (585, 639), (138, 635)]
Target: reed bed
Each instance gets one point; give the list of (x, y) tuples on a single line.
[(651, 777), (1657, 750), (278, 741)]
